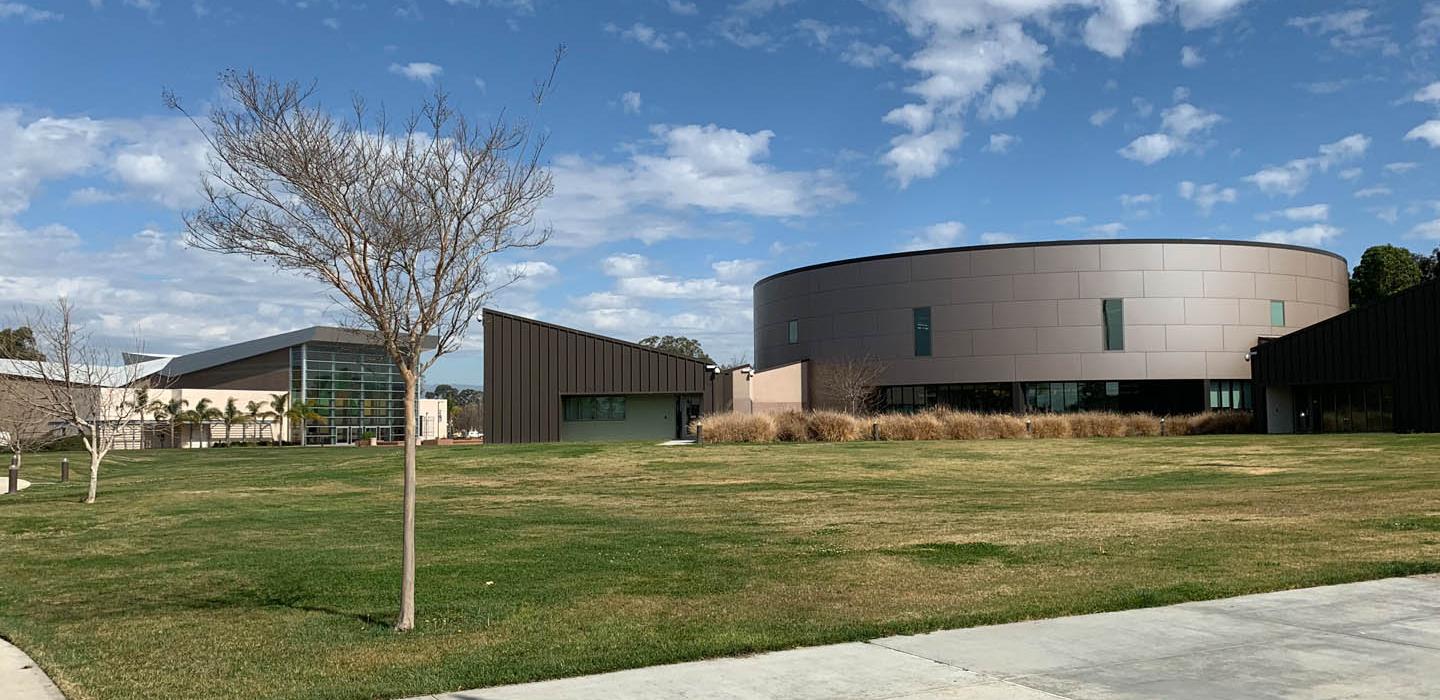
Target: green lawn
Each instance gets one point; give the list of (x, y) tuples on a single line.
[(273, 573)]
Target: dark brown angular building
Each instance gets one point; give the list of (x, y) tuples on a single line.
[(547, 383), (1373, 368)]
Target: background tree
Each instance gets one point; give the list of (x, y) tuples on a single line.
[(399, 223), (81, 384), (280, 407), (153, 407), (255, 411), (231, 415), (301, 414), (175, 410), (679, 345), (469, 417), (848, 384), (25, 425), (19, 344), (1429, 265), (1383, 270), (200, 416)]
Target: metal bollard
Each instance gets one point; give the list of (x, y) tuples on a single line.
[(14, 474), (875, 431), (1028, 427), (699, 434), (1162, 426), (64, 468)]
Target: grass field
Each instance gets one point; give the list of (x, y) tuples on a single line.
[(272, 573)]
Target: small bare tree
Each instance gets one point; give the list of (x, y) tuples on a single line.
[(80, 383), (400, 224), (24, 426), (848, 384)]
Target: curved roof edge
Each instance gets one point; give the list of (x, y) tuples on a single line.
[(1046, 244)]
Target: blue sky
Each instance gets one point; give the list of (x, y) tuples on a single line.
[(697, 146)]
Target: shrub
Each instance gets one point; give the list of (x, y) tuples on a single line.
[(963, 426), (928, 425), (790, 426), (1048, 425), (1004, 426), (1178, 425), (1142, 425), (896, 426), (834, 426), (1097, 424), (1221, 423), (738, 427)]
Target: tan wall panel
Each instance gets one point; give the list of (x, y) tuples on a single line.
[(1146, 312), (1187, 338), (1279, 287), (1070, 339), (975, 289), (1004, 341), (1051, 285), (1192, 256), (1174, 284), (1067, 258), (941, 266), (1003, 261), (963, 316), (1014, 314), (1244, 259), (1212, 311), (1112, 285), (1132, 256), (1110, 366), (1230, 285), (1080, 312), (1144, 338), (1034, 368), (1175, 365)]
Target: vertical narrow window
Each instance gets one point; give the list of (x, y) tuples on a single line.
[(1114, 316), (1277, 313), (922, 331), (794, 331)]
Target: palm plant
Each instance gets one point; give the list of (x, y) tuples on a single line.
[(231, 415), (302, 414), (174, 413), (254, 411), (279, 407), (202, 413), (143, 405)]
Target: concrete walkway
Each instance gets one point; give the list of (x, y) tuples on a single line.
[(1378, 639), (21, 679)]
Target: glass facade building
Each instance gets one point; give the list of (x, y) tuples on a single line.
[(1161, 397), (356, 388)]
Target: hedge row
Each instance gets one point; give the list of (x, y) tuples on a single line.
[(945, 424)]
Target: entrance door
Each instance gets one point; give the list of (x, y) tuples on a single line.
[(687, 411)]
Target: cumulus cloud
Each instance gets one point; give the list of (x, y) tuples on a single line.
[(941, 235), (997, 238), (1401, 167), (1347, 30), (648, 36), (1375, 191), (680, 7), (1101, 116), (1206, 196), (1313, 212), (631, 102), (1001, 143), (27, 13), (1428, 229), (1181, 126), (863, 55), (1312, 235), (684, 170), (1190, 57), (1429, 132), (419, 71), (1292, 177), (1109, 230)]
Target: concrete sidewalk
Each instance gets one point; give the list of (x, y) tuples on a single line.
[(1378, 639), (21, 679)]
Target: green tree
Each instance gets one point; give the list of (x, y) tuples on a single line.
[(1383, 270), (280, 408), (255, 411), (144, 404), (201, 415), (231, 415), (19, 344), (677, 344), (302, 414), (174, 413), (1429, 265)]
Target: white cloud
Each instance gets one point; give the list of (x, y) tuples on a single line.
[(1401, 167), (529, 275), (1190, 57), (1389, 215), (26, 13), (1001, 143), (698, 169), (648, 36), (1195, 14), (625, 265), (1110, 30), (863, 55), (1348, 30), (419, 71), (1101, 116), (1350, 173), (1313, 212), (1006, 100), (1136, 200), (1312, 235), (1206, 196), (1427, 30), (997, 238), (941, 235), (1180, 94), (1428, 229), (1072, 220), (1109, 230), (1429, 132), (631, 102), (735, 25), (741, 270), (1179, 126), (331, 23), (921, 155), (1376, 191), (1429, 94), (680, 7), (1292, 177)]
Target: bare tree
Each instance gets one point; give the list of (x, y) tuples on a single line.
[(24, 426), (400, 224), (848, 384), (83, 385)]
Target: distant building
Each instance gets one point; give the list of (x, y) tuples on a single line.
[(342, 373)]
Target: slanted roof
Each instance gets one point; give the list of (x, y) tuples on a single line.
[(597, 336), (131, 371), (206, 359)]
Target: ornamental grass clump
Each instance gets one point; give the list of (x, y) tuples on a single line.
[(1141, 425), (1047, 425), (791, 426), (1097, 424), (1004, 426), (964, 425), (737, 427), (834, 426)]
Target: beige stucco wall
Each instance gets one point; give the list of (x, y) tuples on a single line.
[(1033, 312)]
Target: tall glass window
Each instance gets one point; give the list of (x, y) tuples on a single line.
[(794, 331), (922, 331), (1113, 311), (1277, 313), (1230, 394), (355, 388)]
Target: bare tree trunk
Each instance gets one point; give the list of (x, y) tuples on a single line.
[(407, 556), (94, 475)]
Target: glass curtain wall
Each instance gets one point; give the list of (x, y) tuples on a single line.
[(1345, 408), (356, 388)]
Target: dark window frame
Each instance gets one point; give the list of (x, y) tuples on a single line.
[(921, 317), (1112, 318)]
